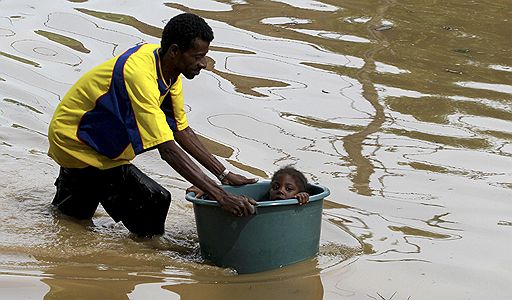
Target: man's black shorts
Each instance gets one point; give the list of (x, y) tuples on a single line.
[(127, 194)]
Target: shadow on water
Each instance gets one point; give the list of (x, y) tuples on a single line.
[(402, 109), (100, 259), (113, 275), (101, 282), (305, 286)]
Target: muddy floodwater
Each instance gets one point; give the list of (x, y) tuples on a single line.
[(403, 109)]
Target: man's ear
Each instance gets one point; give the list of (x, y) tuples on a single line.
[(174, 49)]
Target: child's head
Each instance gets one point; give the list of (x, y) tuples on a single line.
[(286, 183)]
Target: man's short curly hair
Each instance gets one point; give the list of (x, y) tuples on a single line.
[(183, 29)]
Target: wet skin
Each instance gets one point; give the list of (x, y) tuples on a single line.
[(286, 187)]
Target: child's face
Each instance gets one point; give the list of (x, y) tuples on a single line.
[(283, 187)]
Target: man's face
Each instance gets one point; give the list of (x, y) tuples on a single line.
[(193, 60)]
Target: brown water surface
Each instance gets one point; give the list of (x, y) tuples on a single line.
[(402, 108)]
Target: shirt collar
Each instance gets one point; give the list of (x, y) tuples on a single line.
[(162, 85)]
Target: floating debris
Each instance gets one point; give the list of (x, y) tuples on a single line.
[(501, 68), (360, 20), (505, 223), (453, 71), (385, 25), (461, 50)]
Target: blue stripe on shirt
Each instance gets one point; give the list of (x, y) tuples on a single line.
[(110, 126)]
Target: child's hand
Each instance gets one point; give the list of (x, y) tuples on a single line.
[(194, 189), (303, 198)]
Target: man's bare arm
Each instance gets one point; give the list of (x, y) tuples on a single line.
[(181, 162), (188, 140)]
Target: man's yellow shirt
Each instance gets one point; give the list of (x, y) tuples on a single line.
[(115, 111)]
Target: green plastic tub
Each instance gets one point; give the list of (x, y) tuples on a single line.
[(281, 232)]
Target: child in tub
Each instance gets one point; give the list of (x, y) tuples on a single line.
[(286, 183)]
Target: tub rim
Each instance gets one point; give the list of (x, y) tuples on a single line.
[(325, 192)]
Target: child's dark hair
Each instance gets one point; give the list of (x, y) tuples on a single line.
[(297, 175), (183, 29)]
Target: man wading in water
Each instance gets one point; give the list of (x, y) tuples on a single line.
[(128, 105)]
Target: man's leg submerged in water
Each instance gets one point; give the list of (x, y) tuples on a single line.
[(141, 203), (127, 194), (77, 194)]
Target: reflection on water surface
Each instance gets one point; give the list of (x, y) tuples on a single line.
[(402, 109)]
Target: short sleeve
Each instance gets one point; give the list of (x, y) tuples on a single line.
[(178, 105)]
